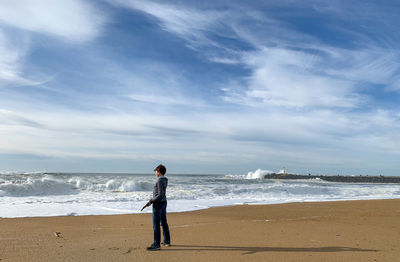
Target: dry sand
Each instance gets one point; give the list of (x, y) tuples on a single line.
[(322, 231)]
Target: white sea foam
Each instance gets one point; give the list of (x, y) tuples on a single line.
[(41, 194)]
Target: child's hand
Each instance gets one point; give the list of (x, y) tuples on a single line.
[(147, 204)]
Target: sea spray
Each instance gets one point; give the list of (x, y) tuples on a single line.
[(258, 174)]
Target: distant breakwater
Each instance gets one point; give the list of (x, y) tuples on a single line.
[(338, 178)]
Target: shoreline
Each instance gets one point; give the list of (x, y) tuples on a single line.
[(351, 230), (207, 208)]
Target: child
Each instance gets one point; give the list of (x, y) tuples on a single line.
[(159, 202)]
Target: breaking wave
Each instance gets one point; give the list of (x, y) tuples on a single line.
[(42, 185)]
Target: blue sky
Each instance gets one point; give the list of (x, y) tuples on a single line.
[(202, 86)]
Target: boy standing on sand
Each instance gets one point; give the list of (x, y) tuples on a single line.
[(159, 202)]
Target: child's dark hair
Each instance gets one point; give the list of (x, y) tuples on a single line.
[(161, 168)]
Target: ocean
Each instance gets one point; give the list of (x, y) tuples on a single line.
[(69, 194)]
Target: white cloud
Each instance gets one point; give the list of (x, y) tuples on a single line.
[(71, 20), (290, 78), (74, 20)]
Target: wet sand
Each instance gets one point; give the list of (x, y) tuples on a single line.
[(319, 231)]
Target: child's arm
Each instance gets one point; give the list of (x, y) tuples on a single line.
[(160, 192)]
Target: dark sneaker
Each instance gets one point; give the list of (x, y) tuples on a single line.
[(166, 244), (153, 248)]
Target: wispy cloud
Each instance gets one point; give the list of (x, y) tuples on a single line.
[(288, 68), (11, 55), (11, 118), (188, 23)]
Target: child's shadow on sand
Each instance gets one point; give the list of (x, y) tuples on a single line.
[(252, 250)]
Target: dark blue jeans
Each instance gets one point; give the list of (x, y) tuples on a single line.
[(160, 216)]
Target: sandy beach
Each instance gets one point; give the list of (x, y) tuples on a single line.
[(366, 230)]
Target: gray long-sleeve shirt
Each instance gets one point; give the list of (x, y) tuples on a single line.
[(159, 190)]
